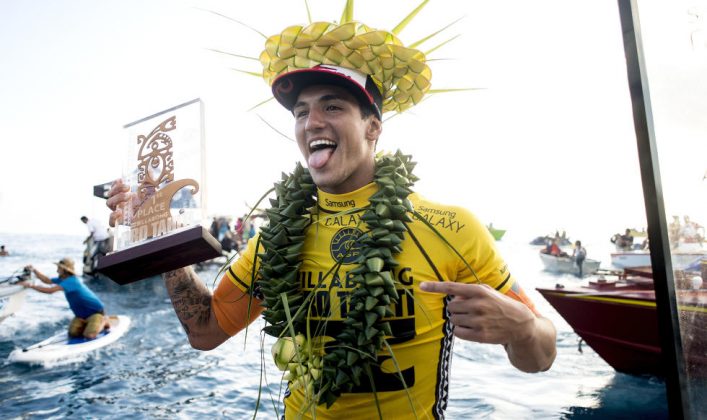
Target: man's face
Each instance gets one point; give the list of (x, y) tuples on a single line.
[(337, 143)]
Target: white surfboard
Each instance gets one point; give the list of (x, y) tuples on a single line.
[(60, 346)]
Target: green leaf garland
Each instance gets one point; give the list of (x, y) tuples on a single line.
[(353, 354)]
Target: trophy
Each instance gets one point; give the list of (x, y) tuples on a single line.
[(163, 226)]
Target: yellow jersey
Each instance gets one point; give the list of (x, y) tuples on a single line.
[(422, 334)]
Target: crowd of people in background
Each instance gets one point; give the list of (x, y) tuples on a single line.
[(679, 233), (234, 238)]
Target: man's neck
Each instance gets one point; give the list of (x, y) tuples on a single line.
[(350, 185)]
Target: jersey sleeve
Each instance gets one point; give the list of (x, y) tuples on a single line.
[(242, 272), (487, 265), (482, 261), (234, 309), (233, 303)]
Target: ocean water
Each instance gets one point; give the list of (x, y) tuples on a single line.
[(153, 373)]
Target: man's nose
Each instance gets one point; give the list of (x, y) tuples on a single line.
[(315, 120)]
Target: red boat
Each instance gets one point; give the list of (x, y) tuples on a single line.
[(617, 318)]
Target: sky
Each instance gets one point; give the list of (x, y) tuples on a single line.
[(546, 141)]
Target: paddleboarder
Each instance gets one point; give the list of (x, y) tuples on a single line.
[(89, 311)]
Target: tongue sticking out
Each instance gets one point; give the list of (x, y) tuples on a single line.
[(318, 159)]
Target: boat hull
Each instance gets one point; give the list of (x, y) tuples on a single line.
[(622, 326), (567, 265), (11, 300), (623, 333), (497, 233)]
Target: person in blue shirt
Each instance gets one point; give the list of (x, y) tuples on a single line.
[(89, 314)]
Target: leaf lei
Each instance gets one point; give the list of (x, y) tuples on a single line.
[(325, 376)]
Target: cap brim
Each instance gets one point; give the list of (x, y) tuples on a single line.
[(287, 87)]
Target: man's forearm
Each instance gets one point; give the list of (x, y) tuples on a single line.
[(42, 277), (192, 304), (537, 353), (46, 290)]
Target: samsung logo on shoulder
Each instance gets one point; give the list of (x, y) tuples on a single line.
[(347, 203)]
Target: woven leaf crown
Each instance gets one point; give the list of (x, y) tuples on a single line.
[(400, 73)]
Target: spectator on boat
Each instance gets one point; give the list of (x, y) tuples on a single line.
[(627, 239), (213, 229), (623, 242), (3, 252), (556, 250), (690, 232), (251, 230), (223, 228), (674, 231), (238, 228), (98, 233), (245, 235), (228, 243), (579, 254), (89, 312)]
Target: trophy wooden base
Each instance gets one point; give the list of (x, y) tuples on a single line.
[(161, 255)]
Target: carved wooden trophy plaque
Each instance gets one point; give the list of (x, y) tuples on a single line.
[(163, 227)]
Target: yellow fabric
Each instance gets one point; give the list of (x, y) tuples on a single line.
[(423, 338)]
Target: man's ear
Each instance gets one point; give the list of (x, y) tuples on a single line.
[(374, 128)]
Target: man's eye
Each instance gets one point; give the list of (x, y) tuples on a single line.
[(332, 107), (300, 114)]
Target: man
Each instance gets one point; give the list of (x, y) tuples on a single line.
[(3, 252), (579, 254), (89, 319), (98, 233), (99, 242), (338, 121), (690, 232)]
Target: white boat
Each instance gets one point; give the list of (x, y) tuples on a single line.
[(681, 257), (630, 259), (11, 299), (60, 346), (567, 265)]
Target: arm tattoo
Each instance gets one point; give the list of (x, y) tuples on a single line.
[(190, 298)]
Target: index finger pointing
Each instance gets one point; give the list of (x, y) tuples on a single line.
[(451, 288)]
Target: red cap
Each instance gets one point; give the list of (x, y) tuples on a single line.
[(287, 87)]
